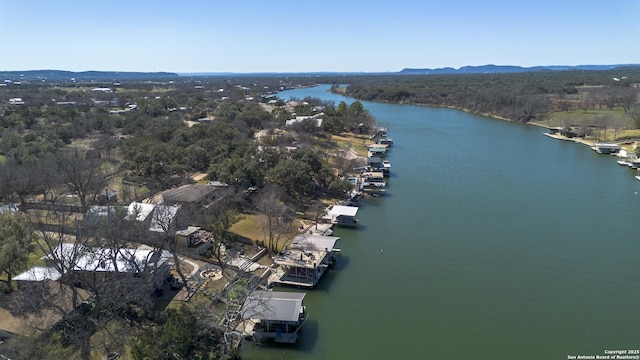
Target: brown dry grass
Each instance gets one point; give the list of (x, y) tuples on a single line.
[(250, 227)]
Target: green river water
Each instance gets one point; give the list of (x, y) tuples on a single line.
[(494, 242)]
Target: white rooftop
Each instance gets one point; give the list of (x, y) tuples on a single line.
[(139, 210), (314, 242), (273, 306), (338, 210), (163, 217), (38, 273), (112, 260)]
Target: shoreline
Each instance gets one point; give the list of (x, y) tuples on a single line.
[(589, 143), (582, 141)]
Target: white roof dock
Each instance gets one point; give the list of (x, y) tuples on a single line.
[(342, 215), (378, 146), (343, 210), (315, 242), (273, 306)]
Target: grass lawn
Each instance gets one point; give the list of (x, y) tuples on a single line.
[(615, 118), (350, 141), (35, 259), (611, 125), (249, 226)]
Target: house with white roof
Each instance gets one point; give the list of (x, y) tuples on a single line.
[(85, 264)]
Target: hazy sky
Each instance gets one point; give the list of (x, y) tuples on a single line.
[(307, 35)]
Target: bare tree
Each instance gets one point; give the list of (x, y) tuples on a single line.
[(100, 263), (82, 173), (106, 144), (17, 180), (563, 103), (611, 98), (164, 226), (219, 225), (276, 221), (586, 102), (634, 113), (229, 318), (317, 210), (628, 98)]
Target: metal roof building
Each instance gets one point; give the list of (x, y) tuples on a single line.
[(273, 306)]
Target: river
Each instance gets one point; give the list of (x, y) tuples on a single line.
[(494, 242)]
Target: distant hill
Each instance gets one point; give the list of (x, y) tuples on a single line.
[(61, 75), (107, 76), (492, 69)]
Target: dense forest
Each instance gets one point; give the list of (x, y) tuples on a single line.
[(522, 97)]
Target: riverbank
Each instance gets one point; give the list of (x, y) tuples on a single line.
[(582, 141), (481, 252)]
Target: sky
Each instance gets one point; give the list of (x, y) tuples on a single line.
[(246, 36)]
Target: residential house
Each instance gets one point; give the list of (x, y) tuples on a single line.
[(192, 236), (16, 101), (85, 264), (191, 193)]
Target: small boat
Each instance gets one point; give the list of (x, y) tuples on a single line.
[(634, 164), (385, 141), (624, 163), (637, 177)]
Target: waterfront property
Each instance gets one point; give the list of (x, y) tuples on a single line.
[(275, 315), (606, 148), (511, 266), (341, 215), (634, 163), (385, 141), (377, 150), (374, 163), (370, 182), (306, 260), (373, 177), (373, 188)]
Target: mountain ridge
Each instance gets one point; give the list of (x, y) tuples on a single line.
[(490, 68), (83, 75), (95, 75)]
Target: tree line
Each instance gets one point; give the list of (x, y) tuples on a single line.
[(521, 97)]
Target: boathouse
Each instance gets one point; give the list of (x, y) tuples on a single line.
[(341, 215), (276, 315), (606, 148), (306, 260)]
